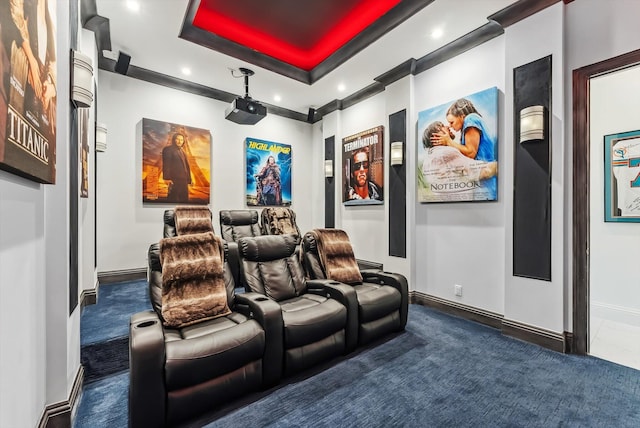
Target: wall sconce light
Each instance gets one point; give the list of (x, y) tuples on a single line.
[(328, 168), (532, 123), (397, 153), (81, 80), (101, 137)]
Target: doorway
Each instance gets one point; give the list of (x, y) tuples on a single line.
[(581, 191)]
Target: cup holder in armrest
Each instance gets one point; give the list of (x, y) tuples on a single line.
[(334, 283), (146, 324), (261, 299)]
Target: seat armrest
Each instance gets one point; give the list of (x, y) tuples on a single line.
[(146, 371), (344, 294), (233, 258), (395, 280), (269, 314)]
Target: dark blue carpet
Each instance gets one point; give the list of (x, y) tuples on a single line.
[(109, 317), (442, 372)]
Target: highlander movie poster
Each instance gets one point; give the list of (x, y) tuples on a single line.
[(176, 163), (363, 168), (268, 173), (28, 89), (458, 150)]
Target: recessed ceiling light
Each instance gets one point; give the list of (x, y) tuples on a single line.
[(186, 71), (437, 33), (342, 87), (133, 5), (277, 98)]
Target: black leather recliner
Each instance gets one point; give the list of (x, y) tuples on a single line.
[(179, 373), (236, 224), (383, 297), (319, 316)]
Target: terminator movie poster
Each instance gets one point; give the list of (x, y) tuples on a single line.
[(28, 89), (176, 163), (363, 168), (458, 150), (268, 173)]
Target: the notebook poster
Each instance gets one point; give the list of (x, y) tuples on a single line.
[(458, 150)]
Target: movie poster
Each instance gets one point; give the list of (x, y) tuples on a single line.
[(458, 150), (28, 89), (268, 173), (363, 168), (176, 163), (83, 134)]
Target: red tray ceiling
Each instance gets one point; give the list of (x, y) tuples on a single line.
[(302, 33)]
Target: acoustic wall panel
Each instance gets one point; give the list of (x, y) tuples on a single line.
[(532, 173), (329, 185), (398, 188)]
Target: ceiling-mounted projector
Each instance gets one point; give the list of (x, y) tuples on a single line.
[(245, 111)]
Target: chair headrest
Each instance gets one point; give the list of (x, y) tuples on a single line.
[(238, 217), (309, 243), (169, 218), (267, 247)]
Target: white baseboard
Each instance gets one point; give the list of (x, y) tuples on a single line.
[(621, 314)]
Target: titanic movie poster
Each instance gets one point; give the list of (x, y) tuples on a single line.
[(458, 150), (176, 163), (363, 168), (28, 88), (268, 173)]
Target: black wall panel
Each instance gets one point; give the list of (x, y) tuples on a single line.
[(398, 188), (532, 176), (329, 185)]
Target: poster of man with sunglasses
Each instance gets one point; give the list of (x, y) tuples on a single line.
[(363, 162)]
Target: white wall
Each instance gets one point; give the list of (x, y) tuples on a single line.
[(39, 353), (530, 301), (614, 255), (463, 243), (126, 227), (594, 31)]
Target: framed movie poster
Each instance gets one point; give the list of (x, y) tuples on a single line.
[(458, 150), (176, 163), (622, 177), (268, 173), (28, 89), (83, 135), (363, 168)]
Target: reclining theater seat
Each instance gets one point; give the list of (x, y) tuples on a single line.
[(383, 297), (319, 316), (179, 370), (236, 224), (279, 221), (190, 219)]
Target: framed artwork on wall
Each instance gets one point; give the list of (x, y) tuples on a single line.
[(28, 90), (363, 167), (268, 173), (457, 150), (176, 163), (622, 177)]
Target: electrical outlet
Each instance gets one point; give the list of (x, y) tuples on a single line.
[(457, 289)]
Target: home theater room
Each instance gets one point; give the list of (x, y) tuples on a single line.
[(320, 213)]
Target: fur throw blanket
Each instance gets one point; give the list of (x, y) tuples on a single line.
[(279, 221), (193, 286), (336, 255), (190, 219)]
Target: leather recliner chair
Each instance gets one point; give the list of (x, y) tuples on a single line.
[(179, 373), (236, 224), (319, 316), (383, 297)]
